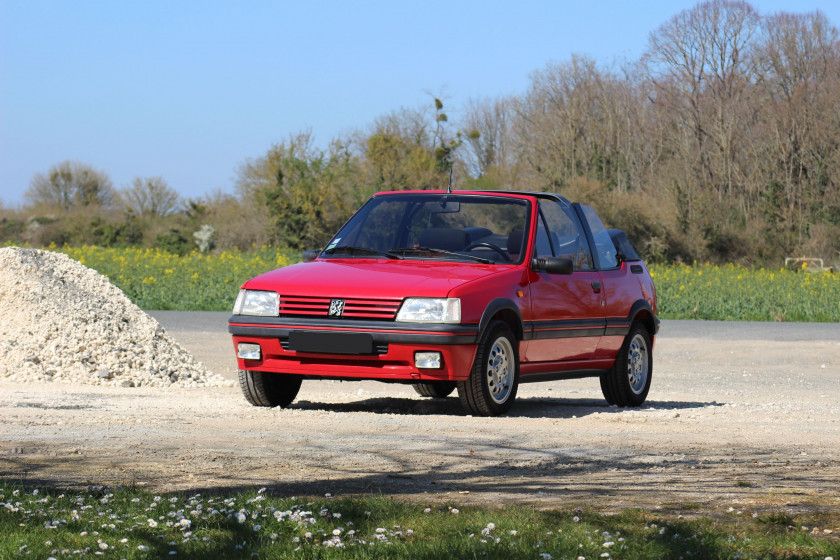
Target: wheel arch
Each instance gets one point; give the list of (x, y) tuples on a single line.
[(643, 313), (502, 309)]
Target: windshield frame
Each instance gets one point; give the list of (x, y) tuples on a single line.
[(420, 200)]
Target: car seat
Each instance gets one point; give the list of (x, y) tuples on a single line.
[(448, 239)]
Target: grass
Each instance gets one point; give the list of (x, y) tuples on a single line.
[(734, 293), (130, 523), (156, 279)]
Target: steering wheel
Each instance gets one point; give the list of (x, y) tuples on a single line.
[(496, 248)]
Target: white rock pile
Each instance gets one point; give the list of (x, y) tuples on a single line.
[(63, 322)]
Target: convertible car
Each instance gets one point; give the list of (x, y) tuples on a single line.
[(477, 291)]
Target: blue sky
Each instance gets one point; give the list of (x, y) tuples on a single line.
[(189, 90)]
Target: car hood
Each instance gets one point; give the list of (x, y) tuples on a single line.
[(365, 278)]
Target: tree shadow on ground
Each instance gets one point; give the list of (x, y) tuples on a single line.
[(568, 478)]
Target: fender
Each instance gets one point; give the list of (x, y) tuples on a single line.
[(619, 326), (496, 305)]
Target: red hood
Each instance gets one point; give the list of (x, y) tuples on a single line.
[(364, 278)]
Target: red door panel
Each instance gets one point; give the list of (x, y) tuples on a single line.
[(567, 316)]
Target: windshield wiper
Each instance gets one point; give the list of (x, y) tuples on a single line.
[(351, 250), (442, 252)]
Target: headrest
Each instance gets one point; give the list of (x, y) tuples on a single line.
[(514, 242)]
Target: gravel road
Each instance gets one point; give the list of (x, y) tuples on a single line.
[(741, 415)]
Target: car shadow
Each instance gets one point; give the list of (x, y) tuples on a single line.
[(532, 407)]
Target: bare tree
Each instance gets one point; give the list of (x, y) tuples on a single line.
[(551, 119), (487, 128), (70, 185), (800, 56), (151, 197), (580, 121), (701, 70), (798, 51)]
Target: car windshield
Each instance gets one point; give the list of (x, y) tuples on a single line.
[(463, 227)]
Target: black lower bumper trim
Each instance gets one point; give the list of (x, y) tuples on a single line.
[(430, 338)]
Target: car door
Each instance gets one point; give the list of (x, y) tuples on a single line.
[(567, 311)]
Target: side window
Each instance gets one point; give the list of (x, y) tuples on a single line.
[(543, 245), (603, 242), (566, 235)]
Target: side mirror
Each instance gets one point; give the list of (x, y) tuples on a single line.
[(553, 265), (310, 255)]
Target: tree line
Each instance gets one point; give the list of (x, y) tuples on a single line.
[(721, 143)]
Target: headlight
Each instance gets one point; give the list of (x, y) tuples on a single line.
[(430, 310), (253, 302)]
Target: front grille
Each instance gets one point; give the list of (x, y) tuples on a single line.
[(379, 348), (354, 308)]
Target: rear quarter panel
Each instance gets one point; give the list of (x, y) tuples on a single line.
[(622, 289)]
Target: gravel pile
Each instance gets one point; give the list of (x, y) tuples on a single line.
[(63, 322)]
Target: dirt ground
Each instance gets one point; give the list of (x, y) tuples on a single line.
[(740, 415)]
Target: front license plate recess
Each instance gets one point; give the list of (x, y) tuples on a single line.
[(330, 342)]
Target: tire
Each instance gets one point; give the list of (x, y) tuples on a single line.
[(435, 389), (269, 389), (491, 387), (628, 382)]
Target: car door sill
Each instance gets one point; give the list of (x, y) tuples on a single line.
[(558, 375)]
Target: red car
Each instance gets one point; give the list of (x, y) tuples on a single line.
[(478, 291)]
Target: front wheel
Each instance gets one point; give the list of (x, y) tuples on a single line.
[(628, 382), (269, 389), (491, 387)]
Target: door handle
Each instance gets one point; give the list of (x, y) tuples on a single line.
[(596, 287)]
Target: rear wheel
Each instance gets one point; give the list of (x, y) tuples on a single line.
[(491, 387), (628, 382), (269, 389), (435, 389)]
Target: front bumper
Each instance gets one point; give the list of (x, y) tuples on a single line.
[(392, 357)]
